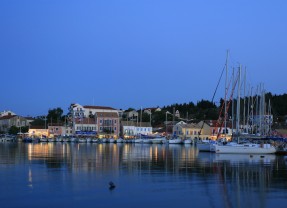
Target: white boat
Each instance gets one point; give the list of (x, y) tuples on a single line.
[(187, 141), (94, 140), (248, 148), (111, 140), (7, 139), (82, 140), (66, 139), (175, 141), (73, 139), (146, 141), (119, 140), (206, 146), (43, 139), (59, 139), (159, 140), (103, 140), (139, 140), (51, 140), (88, 140)]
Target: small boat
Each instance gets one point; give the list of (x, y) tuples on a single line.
[(158, 140), (175, 141), (82, 140), (119, 140), (94, 140), (88, 140), (27, 139), (111, 140), (59, 139), (206, 145), (73, 139), (66, 139), (43, 139), (187, 141), (51, 140)]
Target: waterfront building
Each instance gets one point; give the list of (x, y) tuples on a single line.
[(107, 124), (132, 129), (211, 128), (186, 131), (7, 121), (56, 130), (38, 132), (94, 120)]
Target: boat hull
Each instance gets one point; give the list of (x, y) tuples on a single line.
[(244, 149)]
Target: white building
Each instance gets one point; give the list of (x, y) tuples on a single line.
[(7, 113), (132, 129)]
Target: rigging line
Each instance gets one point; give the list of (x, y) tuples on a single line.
[(213, 95), (217, 84)]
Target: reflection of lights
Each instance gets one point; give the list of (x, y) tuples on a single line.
[(29, 151), (63, 150), (150, 151), (100, 148), (30, 178), (155, 152)]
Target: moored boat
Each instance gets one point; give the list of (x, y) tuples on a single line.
[(248, 148), (175, 141)]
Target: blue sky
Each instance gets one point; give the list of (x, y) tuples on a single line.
[(133, 53)]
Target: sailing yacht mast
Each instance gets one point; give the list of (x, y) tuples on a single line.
[(238, 103), (244, 96), (225, 102)]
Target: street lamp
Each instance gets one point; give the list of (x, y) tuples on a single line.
[(167, 112)]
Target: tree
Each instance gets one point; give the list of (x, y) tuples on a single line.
[(14, 130), (55, 115)]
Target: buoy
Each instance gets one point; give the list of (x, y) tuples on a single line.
[(112, 185)]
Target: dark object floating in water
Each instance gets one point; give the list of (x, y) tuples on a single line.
[(112, 185)]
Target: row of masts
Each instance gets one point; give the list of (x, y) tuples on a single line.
[(255, 117)]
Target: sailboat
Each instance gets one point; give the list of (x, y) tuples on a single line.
[(245, 148)]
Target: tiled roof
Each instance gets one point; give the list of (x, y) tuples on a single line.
[(7, 117), (98, 107), (192, 125), (107, 114)]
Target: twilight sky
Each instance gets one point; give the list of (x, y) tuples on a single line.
[(134, 53)]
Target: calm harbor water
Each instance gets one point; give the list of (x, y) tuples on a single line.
[(145, 175)]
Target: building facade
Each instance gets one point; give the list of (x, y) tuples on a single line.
[(100, 121), (131, 129), (186, 131), (6, 122)]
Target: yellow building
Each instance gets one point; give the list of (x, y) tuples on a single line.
[(186, 131), (38, 133)]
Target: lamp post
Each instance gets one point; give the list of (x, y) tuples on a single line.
[(166, 122)]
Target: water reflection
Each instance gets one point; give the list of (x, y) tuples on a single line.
[(217, 180)]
